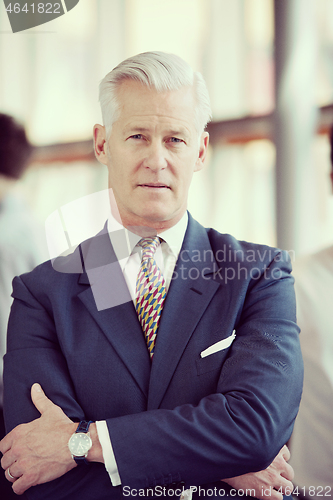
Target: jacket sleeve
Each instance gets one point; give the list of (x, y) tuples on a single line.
[(238, 428), (34, 355)]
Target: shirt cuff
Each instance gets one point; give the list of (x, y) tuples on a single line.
[(107, 450)]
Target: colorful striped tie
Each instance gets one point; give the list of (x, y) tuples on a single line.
[(150, 291)]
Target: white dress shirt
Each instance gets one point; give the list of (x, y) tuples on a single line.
[(165, 256)]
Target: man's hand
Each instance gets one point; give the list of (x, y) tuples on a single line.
[(37, 452), (266, 483)]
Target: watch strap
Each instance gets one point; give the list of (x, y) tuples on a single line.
[(84, 428), (81, 460)]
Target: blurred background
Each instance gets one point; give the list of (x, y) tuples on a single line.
[(268, 66)]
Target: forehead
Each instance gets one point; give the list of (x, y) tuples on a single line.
[(139, 102)]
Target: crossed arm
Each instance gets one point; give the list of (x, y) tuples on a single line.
[(37, 452)]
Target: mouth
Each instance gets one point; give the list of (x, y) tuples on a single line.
[(154, 185)]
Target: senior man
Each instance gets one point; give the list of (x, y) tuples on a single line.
[(178, 375)]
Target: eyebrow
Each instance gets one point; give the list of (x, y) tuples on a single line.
[(135, 129), (178, 132), (172, 132)]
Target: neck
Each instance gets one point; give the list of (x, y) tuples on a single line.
[(139, 225), (145, 228), (148, 228)]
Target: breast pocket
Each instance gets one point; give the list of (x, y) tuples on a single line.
[(213, 357), (212, 362)]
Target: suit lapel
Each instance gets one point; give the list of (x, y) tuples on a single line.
[(187, 299), (109, 302)]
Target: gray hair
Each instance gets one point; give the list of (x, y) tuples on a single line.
[(161, 71)]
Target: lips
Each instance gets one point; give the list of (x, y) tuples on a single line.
[(154, 185)]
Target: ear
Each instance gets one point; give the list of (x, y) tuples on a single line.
[(100, 144), (203, 147)]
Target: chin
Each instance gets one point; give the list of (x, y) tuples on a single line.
[(156, 216), (155, 211)]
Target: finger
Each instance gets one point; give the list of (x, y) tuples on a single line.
[(7, 460), (10, 476), (287, 488), (285, 453), (39, 399), (288, 472), (22, 484), (284, 486), (6, 443)]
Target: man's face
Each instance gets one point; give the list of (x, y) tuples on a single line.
[(151, 154)]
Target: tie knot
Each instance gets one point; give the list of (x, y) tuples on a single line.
[(149, 246)]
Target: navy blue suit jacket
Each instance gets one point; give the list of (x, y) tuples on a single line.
[(181, 418)]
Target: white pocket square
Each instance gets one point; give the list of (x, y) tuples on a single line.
[(218, 346)]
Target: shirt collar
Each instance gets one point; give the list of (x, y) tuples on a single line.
[(173, 237)]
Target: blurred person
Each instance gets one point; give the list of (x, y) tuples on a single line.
[(19, 234), (312, 439), (169, 353)]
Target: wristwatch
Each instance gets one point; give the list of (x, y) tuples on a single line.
[(80, 443)]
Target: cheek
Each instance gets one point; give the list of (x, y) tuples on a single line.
[(117, 168), (116, 181), (185, 176)]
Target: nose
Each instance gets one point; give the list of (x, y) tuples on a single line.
[(155, 158)]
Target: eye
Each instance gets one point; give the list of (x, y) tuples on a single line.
[(137, 136), (175, 140)]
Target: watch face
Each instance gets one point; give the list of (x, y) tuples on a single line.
[(79, 444)]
